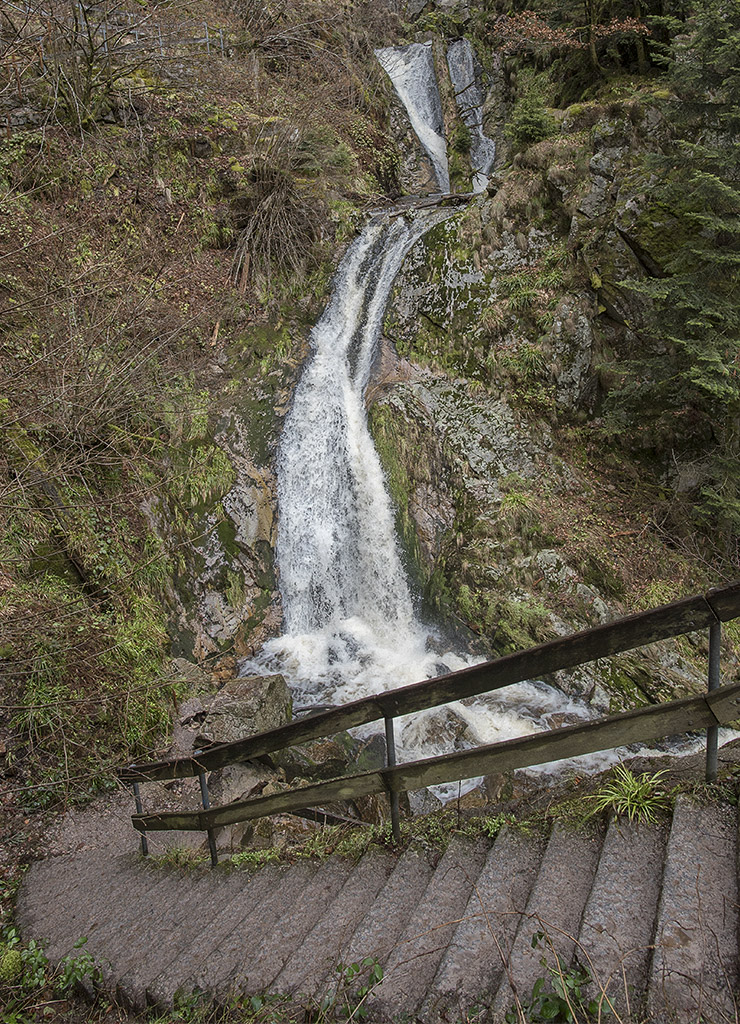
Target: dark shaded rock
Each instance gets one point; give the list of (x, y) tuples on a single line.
[(324, 759), (244, 707)]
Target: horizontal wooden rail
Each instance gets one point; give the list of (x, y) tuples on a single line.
[(686, 616), (649, 723)]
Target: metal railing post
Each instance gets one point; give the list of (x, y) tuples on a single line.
[(140, 810), (715, 639), (390, 750), (206, 804)]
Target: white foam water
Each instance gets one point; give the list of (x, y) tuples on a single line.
[(465, 77), (411, 70), (350, 625)]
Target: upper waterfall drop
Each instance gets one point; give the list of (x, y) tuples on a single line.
[(411, 69), (336, 535), (469, 97)]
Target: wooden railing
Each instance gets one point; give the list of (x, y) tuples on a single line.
[(720, 706)]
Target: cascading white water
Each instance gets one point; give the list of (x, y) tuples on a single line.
[(338, 553), (350, 624), (411, 69), (465, 81)]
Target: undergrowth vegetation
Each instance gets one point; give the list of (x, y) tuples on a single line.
[(157, 208)]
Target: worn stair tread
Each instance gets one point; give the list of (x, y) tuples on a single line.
[(75, 911), (377, 933), (327, 943), (213, 969), (473, 963), (62, 880), (54, 878), (413, 962), (258, 968), (615, 942), (195, 894), (555, 907), (380, 928), (694, 970), (126, 927), (252, 893)]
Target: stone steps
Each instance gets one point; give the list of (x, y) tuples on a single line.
[(652, 911), (694, 968)]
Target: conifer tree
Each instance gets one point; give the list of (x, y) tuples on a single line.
[(685, 388)]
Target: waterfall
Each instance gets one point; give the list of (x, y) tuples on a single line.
[(350, 626), (338, 552), (411, 69), (469, 97)]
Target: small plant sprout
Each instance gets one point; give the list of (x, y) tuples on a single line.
[(635, 797)]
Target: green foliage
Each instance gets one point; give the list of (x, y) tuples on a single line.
[(530, 121), (432, 830), (76, 970), (206, 476), (23, 968), (353, 997), (180, 857), (460, 139), (635, 797), (377, 153), (254, 858), (681, 392), (11, 966), (558, 997)]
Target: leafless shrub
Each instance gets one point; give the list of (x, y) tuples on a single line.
[(280, 217)]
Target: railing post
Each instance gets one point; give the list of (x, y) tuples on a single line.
[(140, 810), (206, 804), (715, 639), (390, 751), (206, 801)]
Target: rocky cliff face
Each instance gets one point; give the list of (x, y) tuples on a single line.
[(517, 518)]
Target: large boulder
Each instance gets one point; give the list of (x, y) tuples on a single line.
[(246, 706)]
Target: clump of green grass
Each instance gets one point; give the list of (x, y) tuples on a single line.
[(180, 857), (634, 797)]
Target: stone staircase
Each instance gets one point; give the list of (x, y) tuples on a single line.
[(652, 911)]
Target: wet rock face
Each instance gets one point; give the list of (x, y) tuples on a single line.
[(529, 277), (571, 337), (220, 530)]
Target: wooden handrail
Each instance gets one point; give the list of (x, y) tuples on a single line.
[(719, 706), (644, 724), (685, 616)]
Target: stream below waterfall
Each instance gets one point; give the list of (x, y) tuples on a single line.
[(351, 625)]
